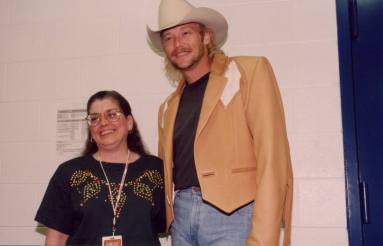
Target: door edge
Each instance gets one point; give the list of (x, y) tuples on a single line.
[(354, 226)]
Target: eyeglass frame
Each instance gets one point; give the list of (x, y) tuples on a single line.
[(105, 115)]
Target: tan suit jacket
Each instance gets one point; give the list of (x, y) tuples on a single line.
[(241, 150)]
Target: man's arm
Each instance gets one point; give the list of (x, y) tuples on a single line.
[(265, 116)]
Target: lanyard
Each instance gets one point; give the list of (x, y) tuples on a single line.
[(115, 205)]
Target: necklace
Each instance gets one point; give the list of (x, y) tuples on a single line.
[(115, 204)]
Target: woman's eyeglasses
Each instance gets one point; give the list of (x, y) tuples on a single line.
[(111, 115)]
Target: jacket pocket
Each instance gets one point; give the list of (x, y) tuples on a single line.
[(243, 169)]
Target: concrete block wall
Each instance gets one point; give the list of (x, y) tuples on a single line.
[(59, 52)]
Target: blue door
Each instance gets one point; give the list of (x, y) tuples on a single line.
[(360, 35)]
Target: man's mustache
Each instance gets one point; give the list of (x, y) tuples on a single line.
[(180, 50)]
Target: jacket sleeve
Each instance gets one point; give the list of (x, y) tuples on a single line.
[(265, 116), (160, 132)]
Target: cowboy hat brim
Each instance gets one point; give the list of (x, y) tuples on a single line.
[(206, 16)]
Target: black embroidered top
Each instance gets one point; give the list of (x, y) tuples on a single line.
[(77, 201)]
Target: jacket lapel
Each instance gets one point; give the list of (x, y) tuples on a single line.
[(215, 86), (169, 117)]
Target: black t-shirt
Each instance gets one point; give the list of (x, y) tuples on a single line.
[(77, 201), (184, 173)]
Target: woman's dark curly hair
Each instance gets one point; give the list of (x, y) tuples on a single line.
[(135, 142)]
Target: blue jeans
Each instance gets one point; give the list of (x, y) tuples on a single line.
[(197, 223)]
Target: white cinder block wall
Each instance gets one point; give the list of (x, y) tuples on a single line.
[(55, 53)]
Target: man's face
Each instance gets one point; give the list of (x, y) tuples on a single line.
[(185, 45)]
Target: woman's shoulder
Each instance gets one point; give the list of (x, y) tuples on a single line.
[(65, 170), (77, 161), (80, 162)]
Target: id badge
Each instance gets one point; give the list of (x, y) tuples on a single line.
[(112, 241)]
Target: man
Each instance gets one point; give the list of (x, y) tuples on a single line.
[(222, 136)]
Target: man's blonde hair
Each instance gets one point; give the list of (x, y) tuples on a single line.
[(174, 75)]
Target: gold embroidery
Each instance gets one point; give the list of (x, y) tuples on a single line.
[(89, 186)]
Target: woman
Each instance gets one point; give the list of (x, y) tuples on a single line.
[(113, 194)]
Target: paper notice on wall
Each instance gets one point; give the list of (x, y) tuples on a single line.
[(71, 131)]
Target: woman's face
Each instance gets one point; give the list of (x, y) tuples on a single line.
[(110, 127)]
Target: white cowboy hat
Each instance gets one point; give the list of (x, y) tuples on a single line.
[(176, 12)]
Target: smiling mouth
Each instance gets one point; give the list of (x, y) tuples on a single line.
[(103, 133)]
